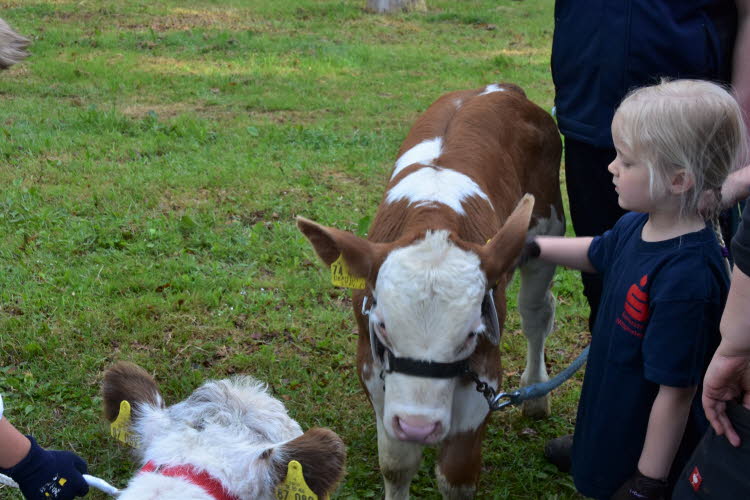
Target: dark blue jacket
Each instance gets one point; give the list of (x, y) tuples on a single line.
[(602, 49)]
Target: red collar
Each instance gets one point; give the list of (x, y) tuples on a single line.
[(203, 479)]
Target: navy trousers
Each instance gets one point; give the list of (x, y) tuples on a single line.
[(592, 201)]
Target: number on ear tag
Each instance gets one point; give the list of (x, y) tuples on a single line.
[(340, 275), (120, 428), (294, 486)]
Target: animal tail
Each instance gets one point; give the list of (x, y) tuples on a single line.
[(12, 46)]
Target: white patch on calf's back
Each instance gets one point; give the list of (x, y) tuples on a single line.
[(436, 185), (494, 87), (425, 152)]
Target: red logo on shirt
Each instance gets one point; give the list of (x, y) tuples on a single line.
[(635, 312), (695, 479)]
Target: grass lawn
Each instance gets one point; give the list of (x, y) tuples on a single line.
[(153, 156)]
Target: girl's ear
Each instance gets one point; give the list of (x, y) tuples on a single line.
[(681, 182)]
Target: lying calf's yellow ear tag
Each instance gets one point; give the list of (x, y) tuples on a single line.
[(120, 428), (294, 486), (340, 275)]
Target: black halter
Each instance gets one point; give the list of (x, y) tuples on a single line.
[(430, 369)]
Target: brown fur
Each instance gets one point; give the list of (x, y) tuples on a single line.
[(322, 454), (128, 382)]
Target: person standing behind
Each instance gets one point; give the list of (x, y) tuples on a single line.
[(728, 375), (718, 467), (665, 283)]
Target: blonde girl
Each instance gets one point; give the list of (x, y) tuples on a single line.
[(665, 284)]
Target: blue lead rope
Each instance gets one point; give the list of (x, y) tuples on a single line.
[(538, 390)]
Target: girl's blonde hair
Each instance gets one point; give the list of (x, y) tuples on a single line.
[(693, 125)]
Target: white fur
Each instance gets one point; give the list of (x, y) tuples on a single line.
[(224, 428), (395, 455), (494, 87), (429, 296), (150, 486), (425, 153), (430, 185)]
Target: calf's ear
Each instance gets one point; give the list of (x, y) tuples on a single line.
[(362, 257), (129, 382), (322, 454), (499, 255)]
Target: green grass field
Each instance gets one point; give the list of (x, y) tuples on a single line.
[(153, 157)]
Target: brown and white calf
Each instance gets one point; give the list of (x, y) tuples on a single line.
[(230, 440), (448, 230)]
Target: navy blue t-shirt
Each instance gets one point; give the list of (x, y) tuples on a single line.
[(658, 324)]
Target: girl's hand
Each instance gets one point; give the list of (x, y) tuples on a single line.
[(640, 487), (529, 251), (49, 475)]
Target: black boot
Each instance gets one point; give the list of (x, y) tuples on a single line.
[(558, 452)]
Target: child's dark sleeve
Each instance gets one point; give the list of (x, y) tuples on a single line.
[(603, 248), (683, 328)]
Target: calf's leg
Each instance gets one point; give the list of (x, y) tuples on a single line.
[(399, 461), (459, 465), (536, 305)]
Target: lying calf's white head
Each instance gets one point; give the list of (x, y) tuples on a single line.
[(229, 440)]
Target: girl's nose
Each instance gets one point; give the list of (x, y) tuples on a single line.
[(611, 168)]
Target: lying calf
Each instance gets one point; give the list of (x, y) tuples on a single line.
[(229, 440)]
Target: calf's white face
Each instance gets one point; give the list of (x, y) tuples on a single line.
[(428, 291), (428, 307)]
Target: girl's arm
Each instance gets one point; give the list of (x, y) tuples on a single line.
[(568, 252), (40, 473), (14, 446), (666, 425)]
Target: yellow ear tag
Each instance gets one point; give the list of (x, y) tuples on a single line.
[(294, 486), (340, 275), (120, 428)]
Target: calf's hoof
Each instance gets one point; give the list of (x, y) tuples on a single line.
[(537, 408)]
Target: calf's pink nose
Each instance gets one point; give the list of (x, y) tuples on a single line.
[(410, 428)]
